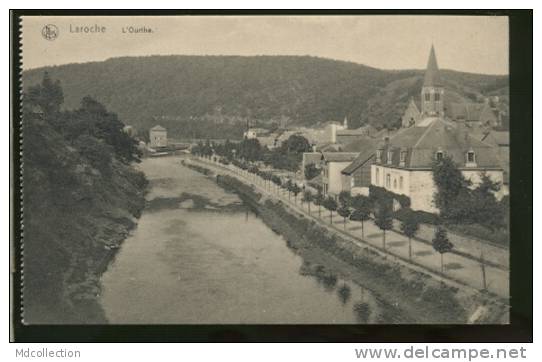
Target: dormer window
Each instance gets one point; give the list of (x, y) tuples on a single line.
[(439, 155), (378, 156), (427, 97), (471, 158), (402, 158), (390, 156)]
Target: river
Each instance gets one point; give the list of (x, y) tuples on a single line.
[(201, 256)]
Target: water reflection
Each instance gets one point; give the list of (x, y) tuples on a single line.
[(344, 293), (363, 312)]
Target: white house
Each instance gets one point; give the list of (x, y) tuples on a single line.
[(158, 136), (403, 164), (332, 163)]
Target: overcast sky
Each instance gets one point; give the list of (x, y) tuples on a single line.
[(471, 44)]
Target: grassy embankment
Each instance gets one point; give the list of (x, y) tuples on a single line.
[(415, 296)]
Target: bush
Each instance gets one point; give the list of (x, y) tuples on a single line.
[(421, 217), (382, 196)]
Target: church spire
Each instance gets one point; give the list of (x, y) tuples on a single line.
[(432, 76)]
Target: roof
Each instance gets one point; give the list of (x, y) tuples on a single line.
[(352, 132), (421, 144), (497, 138), (258, 130), (328, 147), (468, 111), (366, 153), (360, 144), (158, 128), (339, 156), (412, 105), (432, 74)]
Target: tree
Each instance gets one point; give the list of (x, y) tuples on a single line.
[(331, 205), (96, 152), (297, 144), (345, 199), (410, 227), (48, 96), (441, 244), (308, 197), (311, 171), (344, 211), (295, 190), (318, 200), (449, 182), (250, 149), (362, 211), (288, 187), (277, 181), (384, 220), (488, 211), (94, 119)]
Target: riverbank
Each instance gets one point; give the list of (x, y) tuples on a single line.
[(416, 297)]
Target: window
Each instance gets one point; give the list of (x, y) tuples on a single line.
[(401, 183), (427, 97), (471, 157), (390, 157), (437, 97), (378, 156), (388, 180), (377, 177), (439, 155), (394, 183), (403, 157)]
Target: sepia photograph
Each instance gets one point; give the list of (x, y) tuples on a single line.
[(265, 170)]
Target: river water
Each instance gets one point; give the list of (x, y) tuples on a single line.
[(200, 256)]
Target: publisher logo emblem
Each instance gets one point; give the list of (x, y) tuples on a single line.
[(50, 32)]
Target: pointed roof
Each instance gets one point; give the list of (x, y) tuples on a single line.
[(158, 128), (432, 76)]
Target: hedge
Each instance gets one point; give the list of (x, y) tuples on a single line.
[(421, 216), (381, 195)]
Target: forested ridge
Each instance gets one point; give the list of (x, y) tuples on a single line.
[(229, 89)]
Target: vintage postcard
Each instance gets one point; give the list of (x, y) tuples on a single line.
[(285, 169)]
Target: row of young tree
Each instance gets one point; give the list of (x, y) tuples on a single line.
[(285, 157), (358, 208), (362, 208)]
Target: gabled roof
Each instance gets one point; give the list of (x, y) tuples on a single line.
[(366, 153), (158, 128), (339, 156), (432, 74), (421, 144)]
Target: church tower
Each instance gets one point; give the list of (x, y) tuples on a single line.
[(432, 90)]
